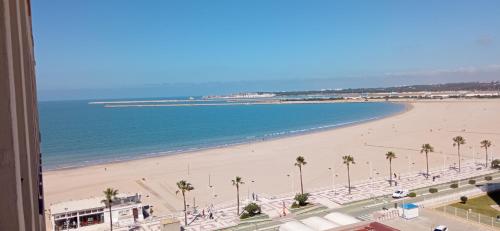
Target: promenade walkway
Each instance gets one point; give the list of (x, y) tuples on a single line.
[(224, 216)]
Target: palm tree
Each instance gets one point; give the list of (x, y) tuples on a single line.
[(457, 141), (486, 144), (348, 160), (109, 197), (300, 161), (427, 148), (237, 182), (183, 187), (390, 155)]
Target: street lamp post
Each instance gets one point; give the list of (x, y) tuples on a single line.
[(290, 176), (409, 164), (444, 162), (333, 180), (211, 188), (249, 186), (473, 156), (371, 178)]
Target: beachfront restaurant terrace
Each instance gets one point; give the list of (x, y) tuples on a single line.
[(93, 212)]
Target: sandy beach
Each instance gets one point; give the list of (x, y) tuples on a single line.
[(267, 167)]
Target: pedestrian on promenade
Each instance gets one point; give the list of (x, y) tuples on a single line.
[(284, 207)]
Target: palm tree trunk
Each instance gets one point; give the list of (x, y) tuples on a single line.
[(459, 166), (390, 172), (348, 179), (238, 200), (110, 217), (427, 161), (301, 185), (185, 209), (486, 149)]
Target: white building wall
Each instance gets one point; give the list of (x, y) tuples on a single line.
[(123, 214)]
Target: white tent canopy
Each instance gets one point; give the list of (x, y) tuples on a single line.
[(319, 223), (341, 219), (294, 226)]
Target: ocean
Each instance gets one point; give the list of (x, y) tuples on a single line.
[(76, 133)]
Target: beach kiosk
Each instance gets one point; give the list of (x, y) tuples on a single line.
[(93, 214), (408, 211)]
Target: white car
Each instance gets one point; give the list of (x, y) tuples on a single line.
[(441, 228), (400, 193)]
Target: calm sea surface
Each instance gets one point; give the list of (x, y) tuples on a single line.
[(76, 133)]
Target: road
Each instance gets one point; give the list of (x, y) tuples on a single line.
[(363, 209)]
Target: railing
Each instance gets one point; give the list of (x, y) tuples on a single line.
[(450, 197), (456, 196), (470, 216)]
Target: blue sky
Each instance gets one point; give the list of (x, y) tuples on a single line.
[(121, 49)]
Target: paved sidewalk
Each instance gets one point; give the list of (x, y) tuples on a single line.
[(224, 216), (331, 198)]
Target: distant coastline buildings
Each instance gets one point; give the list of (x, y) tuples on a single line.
[(267, 97), (436, 91), (248, 95)]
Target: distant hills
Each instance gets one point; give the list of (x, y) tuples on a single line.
[(467, 86)]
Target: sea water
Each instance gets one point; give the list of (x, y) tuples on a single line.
[(79, 133)]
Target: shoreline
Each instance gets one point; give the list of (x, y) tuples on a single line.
[(325, 128), (267, 167)]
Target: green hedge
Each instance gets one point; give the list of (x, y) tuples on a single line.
[(472, 181), (433, 190), (301, 199), (488, 178), (412, 194), (454, 185), (250, 210)]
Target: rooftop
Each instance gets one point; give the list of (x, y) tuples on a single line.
[(84, 204), (409, 206), (373, 226), (77, 205)]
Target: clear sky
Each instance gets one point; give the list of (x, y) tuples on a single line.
[(126, 48)]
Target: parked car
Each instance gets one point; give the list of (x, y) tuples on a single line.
[(400, 193), (441, 228)]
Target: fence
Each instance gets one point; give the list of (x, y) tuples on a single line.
[(471, 216), (456, 196), (450, 197)]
